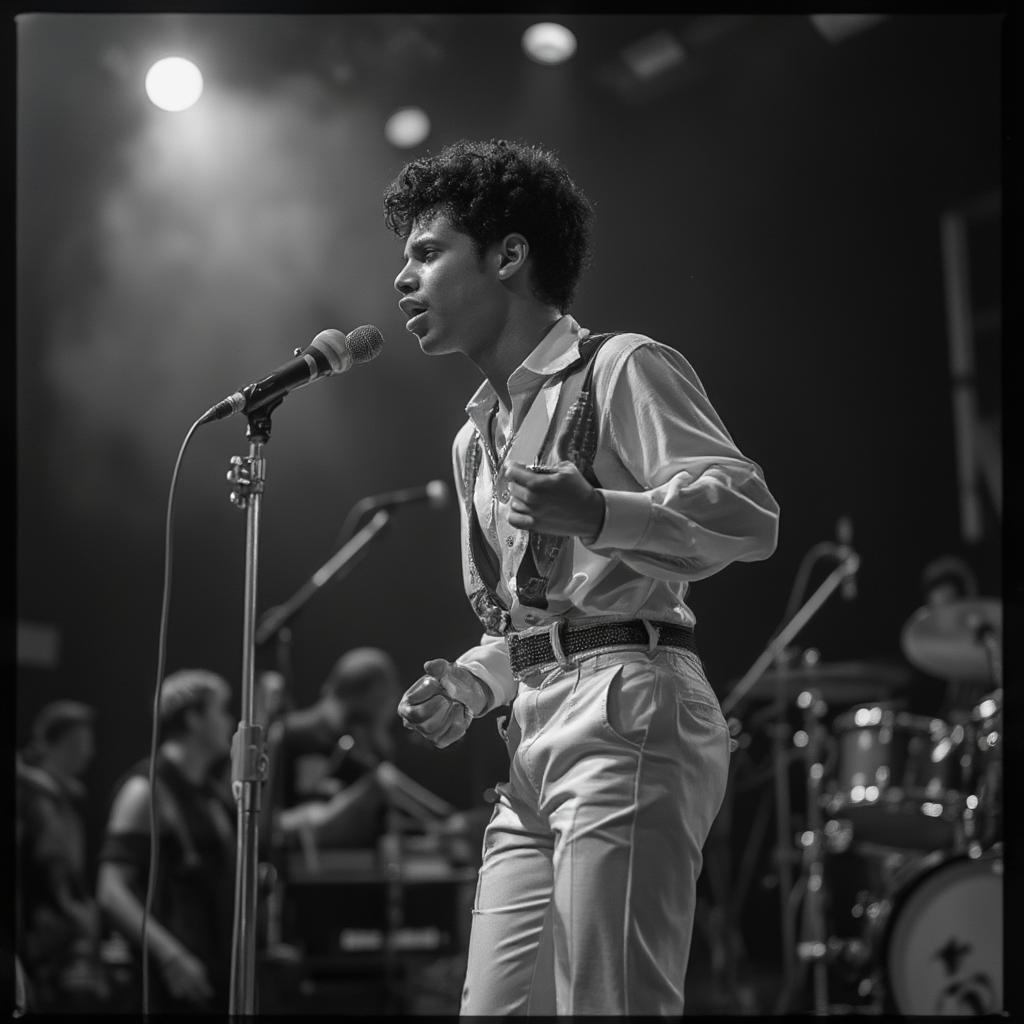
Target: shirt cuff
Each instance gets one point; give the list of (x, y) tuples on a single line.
[(489, 663), (626, 515)]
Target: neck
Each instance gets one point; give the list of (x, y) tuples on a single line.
[(518, 338)]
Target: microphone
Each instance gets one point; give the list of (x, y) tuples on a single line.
[(844, 537), (328, 353), (435, 492)]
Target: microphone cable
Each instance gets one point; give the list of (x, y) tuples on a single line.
[(154, 836)]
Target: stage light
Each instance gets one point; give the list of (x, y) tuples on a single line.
[(407, 127), (837, 27), (549, 43), (654, 55), (174, 84)]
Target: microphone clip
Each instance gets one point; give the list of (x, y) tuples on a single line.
[(246, 475)]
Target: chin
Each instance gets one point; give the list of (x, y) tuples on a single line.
[(432, 345)]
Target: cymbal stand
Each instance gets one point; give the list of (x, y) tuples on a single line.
[(780, 733), (813, 945), (967, 839), (774, 653), (985, 635)]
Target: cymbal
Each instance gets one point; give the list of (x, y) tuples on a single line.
[(946, 640), (841, 682)]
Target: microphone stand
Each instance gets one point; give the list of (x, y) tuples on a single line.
[(774, 653), (248, 758), (274, 620)]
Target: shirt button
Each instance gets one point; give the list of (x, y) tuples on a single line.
[(510, 541), (504, 496)]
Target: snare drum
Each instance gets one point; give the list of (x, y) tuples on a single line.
[(938, 938), (897, 778)]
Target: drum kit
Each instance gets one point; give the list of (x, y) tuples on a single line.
[(897, 903)]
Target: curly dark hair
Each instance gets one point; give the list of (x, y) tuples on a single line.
[(489, 189)]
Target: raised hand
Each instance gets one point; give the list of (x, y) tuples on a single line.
[(557, 501)]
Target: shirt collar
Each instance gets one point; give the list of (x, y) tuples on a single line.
[(559, 347)]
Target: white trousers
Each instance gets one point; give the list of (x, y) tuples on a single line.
[(586, 896)]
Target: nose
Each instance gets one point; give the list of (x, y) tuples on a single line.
[(406, 281)]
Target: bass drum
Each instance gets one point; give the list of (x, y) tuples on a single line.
[(941, 936)]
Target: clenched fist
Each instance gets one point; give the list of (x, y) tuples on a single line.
[(442, 703), (556, 500)]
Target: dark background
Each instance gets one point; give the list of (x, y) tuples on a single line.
[(772, 211)]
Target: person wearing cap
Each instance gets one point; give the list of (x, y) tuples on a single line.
[(597, 483), (190, 923), (58, 921)]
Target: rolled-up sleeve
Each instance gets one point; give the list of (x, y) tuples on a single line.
[(700, 503)]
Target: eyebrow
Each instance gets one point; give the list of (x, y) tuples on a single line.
[(422, 242)]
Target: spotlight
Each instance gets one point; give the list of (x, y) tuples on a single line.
[(837, 27), (549, 43), (407, 127), (174, 83), (654, 55)]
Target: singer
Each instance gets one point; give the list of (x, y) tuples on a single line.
[(596, 482)]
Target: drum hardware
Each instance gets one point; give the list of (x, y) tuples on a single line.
[(986, 721), (848, 563), (900, 778), (815, 949), (813, 945), (905, 783), (842, 683), (957, 640), (912, 798), (838, 835)]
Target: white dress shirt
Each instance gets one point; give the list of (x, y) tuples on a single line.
[(681, 500)]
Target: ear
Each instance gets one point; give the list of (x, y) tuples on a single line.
[(512, 253)]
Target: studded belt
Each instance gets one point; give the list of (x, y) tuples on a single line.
[(526, 652)]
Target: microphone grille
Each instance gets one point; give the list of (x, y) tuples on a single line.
[(844, 530), (437, 493), (364, 343)]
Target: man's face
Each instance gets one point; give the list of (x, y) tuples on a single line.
[(451, 295), (78, 746)]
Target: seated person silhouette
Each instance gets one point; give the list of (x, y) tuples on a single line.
[(324, 757)]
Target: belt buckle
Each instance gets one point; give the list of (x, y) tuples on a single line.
[(555, 633), (653, 635)]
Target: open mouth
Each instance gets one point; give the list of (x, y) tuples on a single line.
[(411, 309)]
